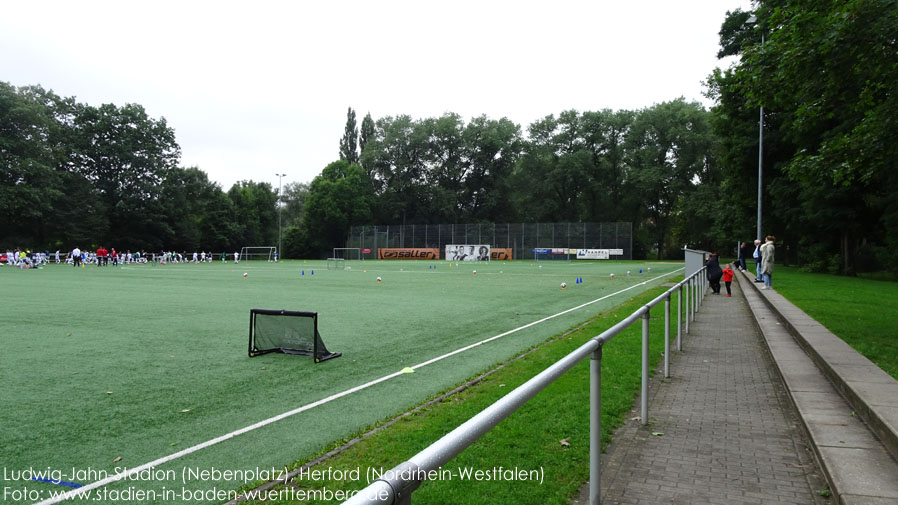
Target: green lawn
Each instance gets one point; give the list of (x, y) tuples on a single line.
[(862, 312), (112, 368)]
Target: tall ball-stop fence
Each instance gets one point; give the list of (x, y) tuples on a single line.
[(523, 238)]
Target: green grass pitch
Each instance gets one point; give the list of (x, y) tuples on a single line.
[(110, 368)]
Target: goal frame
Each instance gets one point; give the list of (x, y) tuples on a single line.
[(341, 252), (246, 253), (319, 351)]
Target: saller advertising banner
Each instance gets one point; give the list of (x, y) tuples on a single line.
[(500, 253), (408, 253), (468, 252)]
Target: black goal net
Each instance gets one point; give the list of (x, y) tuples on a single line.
[(286, 331)]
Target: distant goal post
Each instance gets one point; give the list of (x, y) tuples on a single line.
[(348, 253), (267, 253)]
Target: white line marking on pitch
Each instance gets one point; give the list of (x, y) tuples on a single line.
[(171, 457)]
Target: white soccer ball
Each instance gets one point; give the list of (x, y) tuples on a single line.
[(475, 272), (563, 285), (379, 279), (244, 274), (612, 276)]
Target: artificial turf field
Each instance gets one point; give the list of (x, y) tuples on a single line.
[(107, 369)]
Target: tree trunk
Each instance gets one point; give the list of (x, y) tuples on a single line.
[(847, 257)]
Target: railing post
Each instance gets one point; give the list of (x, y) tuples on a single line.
[(667, 337), (686, 305), (680, 319), (645, 368), (695, 294), (704, 287), (691, 299), (699, 292), (595, 426)]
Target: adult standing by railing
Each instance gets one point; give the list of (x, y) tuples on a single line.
[(767, 262), (757, 257)]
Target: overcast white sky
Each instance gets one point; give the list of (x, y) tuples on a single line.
[(258, 88)]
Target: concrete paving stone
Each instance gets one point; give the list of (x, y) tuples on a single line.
[(792, 356), (849, 499), (787, 346), (867, 373), (833, 431), (862, 472), (877, 393), (797, 363), (888, 415), (828, 402), (834, 350), (809, 382)]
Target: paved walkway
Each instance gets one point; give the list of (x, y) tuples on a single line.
[(721, 431)]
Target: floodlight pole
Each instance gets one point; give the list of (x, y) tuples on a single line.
[(280, 179), (754, 20)]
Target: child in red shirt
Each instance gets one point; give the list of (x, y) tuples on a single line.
[(728, 278)]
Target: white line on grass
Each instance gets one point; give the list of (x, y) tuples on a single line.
[(171, 457)]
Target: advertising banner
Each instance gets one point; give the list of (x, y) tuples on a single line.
[(408, 253), (541, 250), (592, 254), (468, 252), (500, 253), (616, 252)]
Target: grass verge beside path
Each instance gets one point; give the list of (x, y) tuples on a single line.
[(862, 312), (548, 437)]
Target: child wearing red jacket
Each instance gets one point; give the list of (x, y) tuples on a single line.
[(728, 278)]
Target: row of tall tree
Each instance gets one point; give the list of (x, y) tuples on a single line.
[(76, 175), (647, 166), (823, 71)]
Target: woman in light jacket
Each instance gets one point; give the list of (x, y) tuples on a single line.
[(767, 261)]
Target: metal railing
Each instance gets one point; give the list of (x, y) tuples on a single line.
[(397, 485)]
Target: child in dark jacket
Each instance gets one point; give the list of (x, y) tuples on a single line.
[(728, 278)]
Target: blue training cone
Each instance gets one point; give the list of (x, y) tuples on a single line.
[(303, 272), (313, 272)]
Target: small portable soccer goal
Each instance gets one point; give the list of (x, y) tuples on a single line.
[(288, 332), (336, 264)]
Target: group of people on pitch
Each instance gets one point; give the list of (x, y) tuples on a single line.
[(763, 255)]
